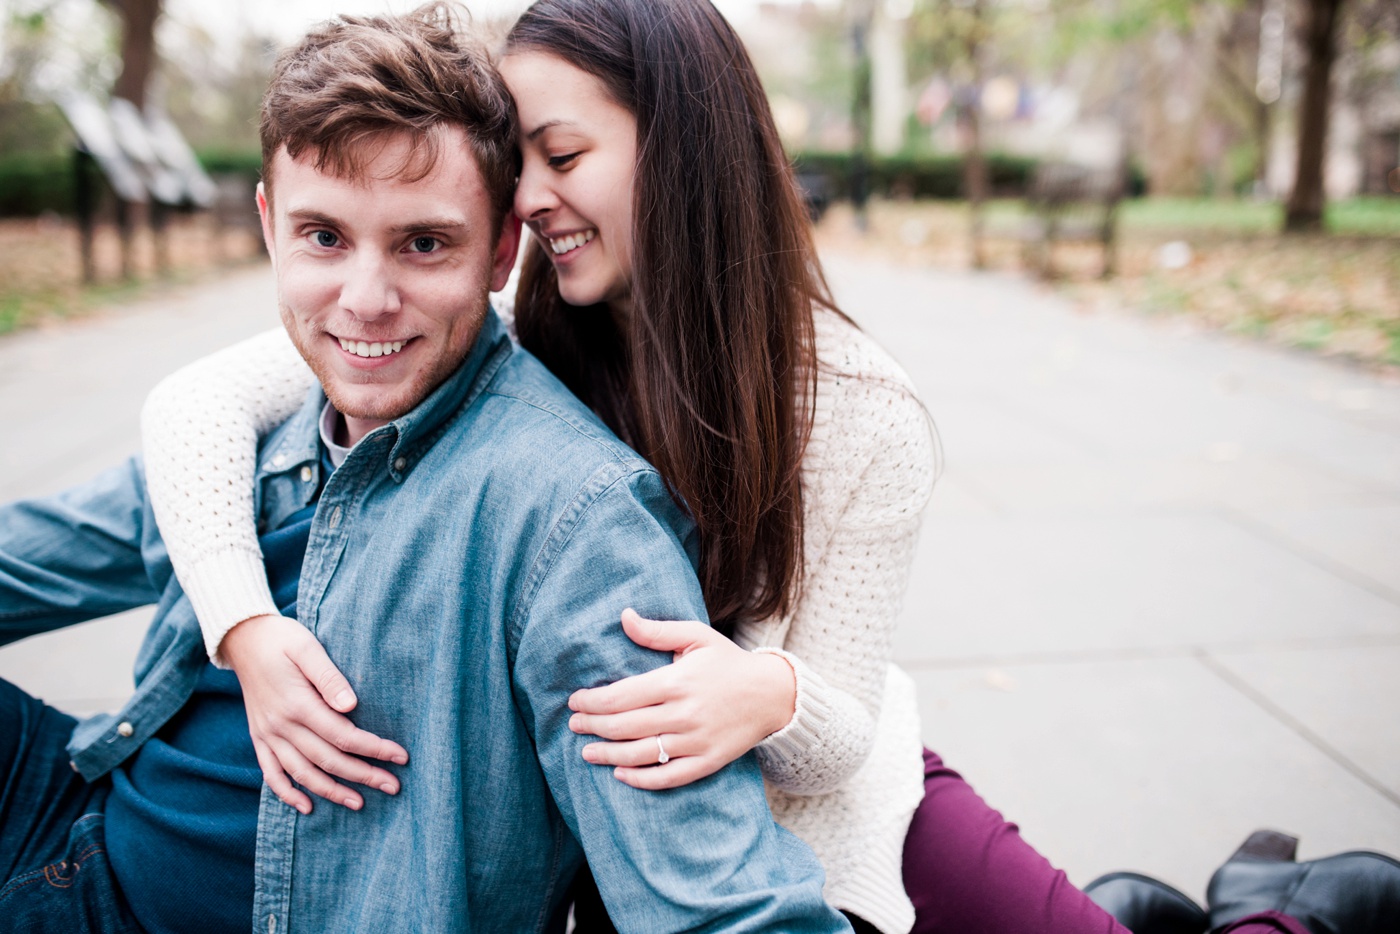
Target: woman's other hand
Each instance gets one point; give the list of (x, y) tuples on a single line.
[(296, 700), (711, 705)]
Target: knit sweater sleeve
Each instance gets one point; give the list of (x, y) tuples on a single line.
[(874, 475), (200, 429)]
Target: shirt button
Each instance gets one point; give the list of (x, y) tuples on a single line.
[(125, 728), (400, 464), (271, 924), (279, 460), (335, 517), (73, 765), (306, 475)]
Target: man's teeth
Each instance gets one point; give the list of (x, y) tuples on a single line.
[(571, 242), (362, 349)]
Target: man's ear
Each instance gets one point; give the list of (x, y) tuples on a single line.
[(506, 248), (265, 215)]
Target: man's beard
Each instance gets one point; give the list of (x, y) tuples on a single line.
[(397, 399)]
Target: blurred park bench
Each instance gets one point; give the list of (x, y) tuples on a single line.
[(143, 161), (1071, 202)]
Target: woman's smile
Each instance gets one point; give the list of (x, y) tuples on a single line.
[(569, 244)]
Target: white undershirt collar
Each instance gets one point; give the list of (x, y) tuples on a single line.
[(329, 420)]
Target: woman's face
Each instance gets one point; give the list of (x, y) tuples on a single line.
[(579, 150)]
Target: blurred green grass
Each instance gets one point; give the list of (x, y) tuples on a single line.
[(1369, 216), (22, 309), (1373, 216), (1336, 293)]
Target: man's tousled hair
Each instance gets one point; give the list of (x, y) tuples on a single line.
[(355, 82)]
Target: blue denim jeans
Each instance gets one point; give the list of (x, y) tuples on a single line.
[(54, 874)]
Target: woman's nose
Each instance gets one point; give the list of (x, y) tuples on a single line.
[(534, 197)]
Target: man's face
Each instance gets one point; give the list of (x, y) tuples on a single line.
[(382, 282)]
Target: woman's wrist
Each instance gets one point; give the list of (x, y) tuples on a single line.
[(225, 588), (780, 679), (243, 638), (812, 711)]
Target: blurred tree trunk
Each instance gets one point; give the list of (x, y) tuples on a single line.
[(138, 47), (1242, 50), (1306, 203), (975, 161), (862, 17), (1263, 129)]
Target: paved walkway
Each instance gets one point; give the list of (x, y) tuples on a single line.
[(71, 392), (1157, 599)]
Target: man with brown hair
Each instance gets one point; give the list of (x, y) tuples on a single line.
[(458, 531)]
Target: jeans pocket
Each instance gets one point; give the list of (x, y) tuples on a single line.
[(70, 893), (83, 845)]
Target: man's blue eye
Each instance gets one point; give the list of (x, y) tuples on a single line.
[(326, 238), (424, 244)]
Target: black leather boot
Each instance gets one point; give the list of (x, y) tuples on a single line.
[(1351, 893), (1145, 905)]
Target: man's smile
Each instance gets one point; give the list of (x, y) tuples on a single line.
[(368, 349)]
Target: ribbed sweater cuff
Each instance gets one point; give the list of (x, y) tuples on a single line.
[(812, 712), (225, 588)]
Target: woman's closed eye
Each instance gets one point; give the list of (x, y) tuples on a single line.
[(563, 161)]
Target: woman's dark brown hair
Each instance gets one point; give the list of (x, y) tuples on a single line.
[(713, 377)]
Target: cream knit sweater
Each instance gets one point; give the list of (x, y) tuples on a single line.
[(846, 773)]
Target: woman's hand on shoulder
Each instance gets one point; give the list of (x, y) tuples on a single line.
[(296, 701), (711, 705)]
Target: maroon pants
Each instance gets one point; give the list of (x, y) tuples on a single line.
[(968, 871)]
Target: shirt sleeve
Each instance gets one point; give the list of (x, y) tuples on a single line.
[(200, 429), (877, 474), (76, 556), (704, 857)]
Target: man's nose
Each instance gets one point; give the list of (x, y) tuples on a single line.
[(369, 290), (534, 198)]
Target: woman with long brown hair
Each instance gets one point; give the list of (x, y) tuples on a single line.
[(672, 284)]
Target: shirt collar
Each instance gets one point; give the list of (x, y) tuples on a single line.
[(337, 452)]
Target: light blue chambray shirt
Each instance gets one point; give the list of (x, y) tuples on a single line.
[(467, 567)]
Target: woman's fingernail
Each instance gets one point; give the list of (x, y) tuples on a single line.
[(352, 804), (344, 698), (388, 789), (400, 760)]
